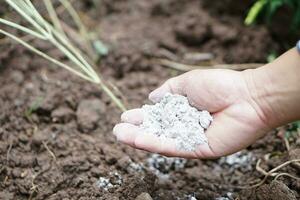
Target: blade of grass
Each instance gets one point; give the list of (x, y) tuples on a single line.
[(82, 29), (27, 10), (113, 97), (54, 18), (22, 28), (75, 17), (28, 18), (51, 31), (254, 12), (38, 52)]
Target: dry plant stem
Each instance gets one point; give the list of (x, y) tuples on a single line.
[(75, 17), (60, 9), (113, 97), (54, 17), (259, 169), (287, 144), (272, 172), (288, 175), (45, 31), (283, 165), (117, 91), (54, 35), (50, 152), (80, 25), (58, 24), (22, 28), (8, 152), (50, 35), (77, 39), (38, 52), (185, 68)]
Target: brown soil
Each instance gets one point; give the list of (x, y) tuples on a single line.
[(55, 129)]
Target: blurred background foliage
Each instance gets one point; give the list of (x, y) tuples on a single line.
[(266, 9)]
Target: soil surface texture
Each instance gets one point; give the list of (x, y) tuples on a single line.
[(56, 137)]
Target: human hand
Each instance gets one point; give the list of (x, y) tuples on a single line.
[(238, 120)]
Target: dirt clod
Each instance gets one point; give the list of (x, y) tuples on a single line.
[(274, 191), (144, 196), (62, 114), (39, 137), (89, 113)]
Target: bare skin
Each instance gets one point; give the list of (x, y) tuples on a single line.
[(245, 106)]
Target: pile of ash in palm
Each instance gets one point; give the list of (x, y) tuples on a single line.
[(173, 117)]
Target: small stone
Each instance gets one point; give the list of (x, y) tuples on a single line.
[(124, 162), (7, 195), (17, 77), (38, 137), (95, 159), (62, 114), (144, 196), (23, 138), (224, 33), (89, 113), (16, 173)]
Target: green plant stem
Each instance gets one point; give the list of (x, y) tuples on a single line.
[(254, 11)]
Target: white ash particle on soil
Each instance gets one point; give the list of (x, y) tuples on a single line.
[(222, 198), (162, 165), (104, 183), (114, 180), (135, 167), (242, 159), (191, 197), (173, 117)]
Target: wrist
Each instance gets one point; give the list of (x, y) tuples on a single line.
[(275, 89)]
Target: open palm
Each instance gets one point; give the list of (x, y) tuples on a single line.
[(238, 120)]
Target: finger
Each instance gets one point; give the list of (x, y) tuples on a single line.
[(131, 135), (164, 146), (174, 85), (134, 116), (126, 133)]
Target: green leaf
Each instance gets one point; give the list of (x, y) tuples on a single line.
[(100, 48), (255, 11), (273, 6), (272, 56)]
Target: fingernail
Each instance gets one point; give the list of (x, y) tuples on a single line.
[(116, 130), (123, 116), (155, 96)]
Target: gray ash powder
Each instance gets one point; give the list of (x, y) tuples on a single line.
[(173, 117)]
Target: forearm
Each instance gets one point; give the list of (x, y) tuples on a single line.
[(275, 89)]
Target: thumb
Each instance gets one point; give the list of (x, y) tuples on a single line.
[(174, 85)]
